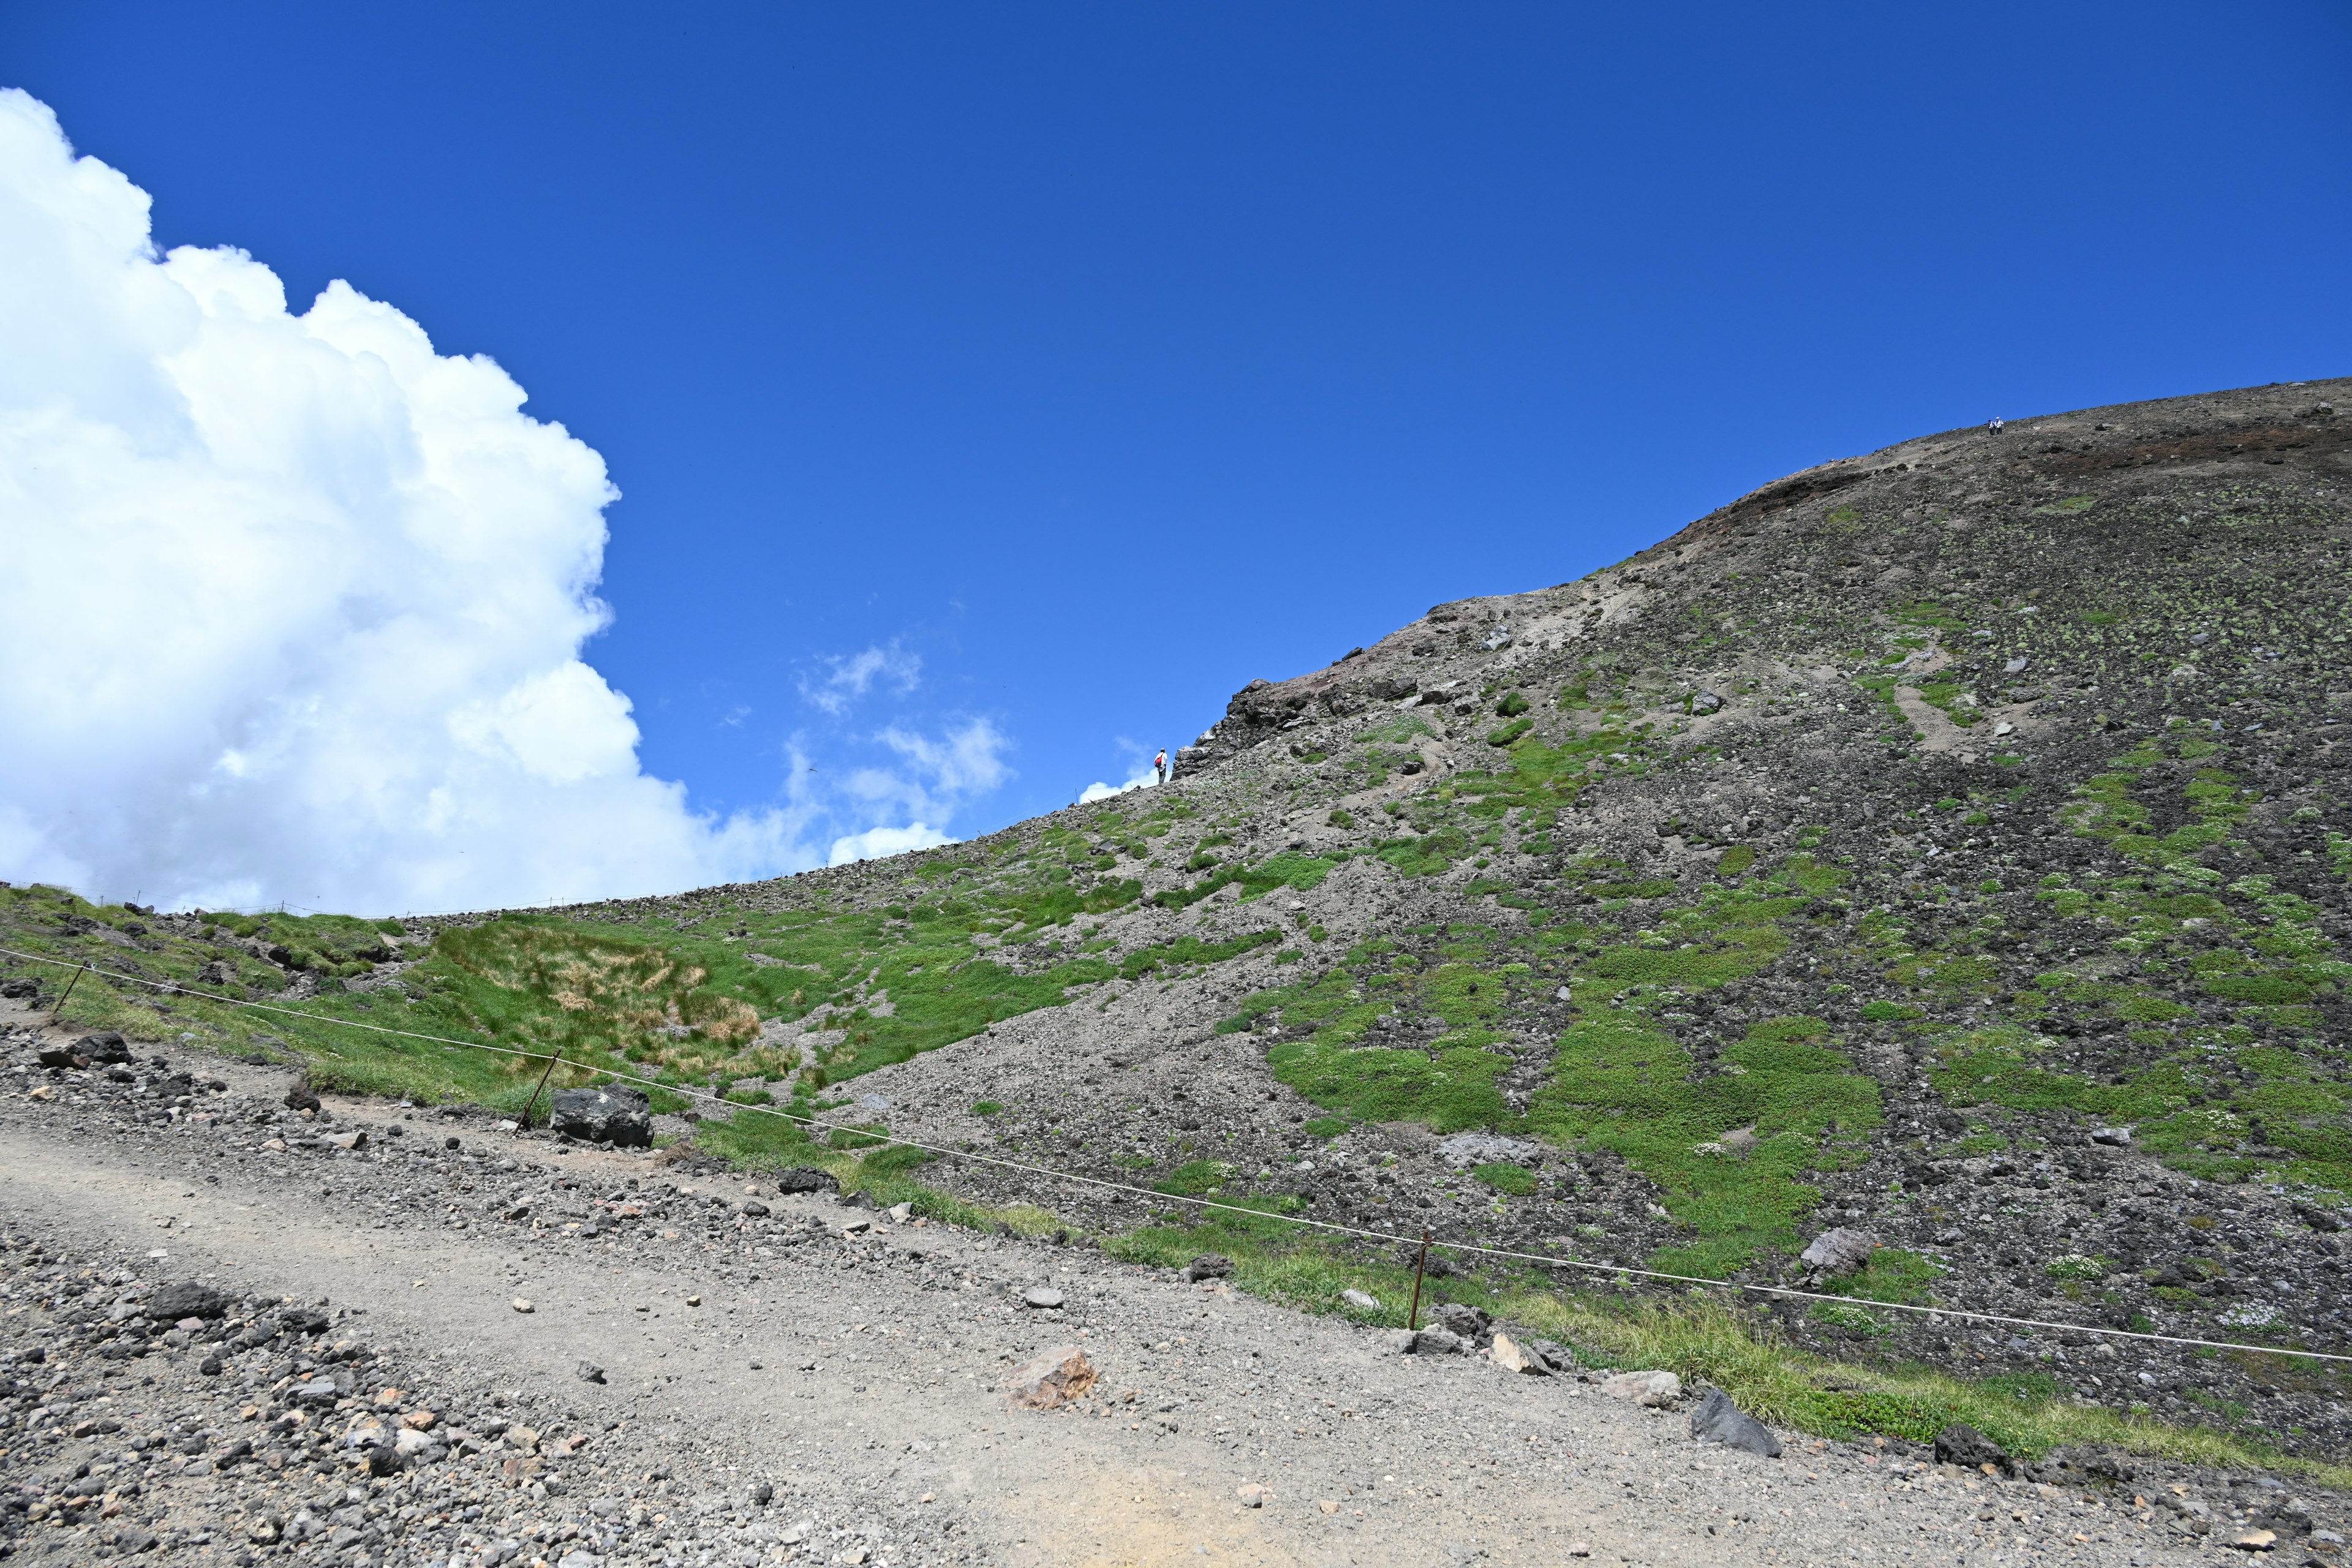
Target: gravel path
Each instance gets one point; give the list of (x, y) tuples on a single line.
[(776, 1390)]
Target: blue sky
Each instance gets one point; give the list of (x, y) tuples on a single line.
[(1098, 359)]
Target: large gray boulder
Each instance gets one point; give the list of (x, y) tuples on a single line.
[(1840, 1251), (607, 1115)]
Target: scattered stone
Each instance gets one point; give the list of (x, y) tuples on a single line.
[(1840, 1251), (1507, 1354), (1465, 1150), (521, 1304), (1252, 1495), (1361, 1301), (1430, 1342), (1557, 1356), (2113, 1137), (1055, 1379), (901, 1212), (621, 1117), (1655, 1389), (589, 1371), (1208, 1266), (1041, 1297), (1465, 1321), (299, 1095), (2256, 1540), (1962, 1445), (1718, 1420)]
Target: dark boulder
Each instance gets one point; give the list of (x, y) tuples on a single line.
[(804, 1180), (1718, 1420), (301, 1097), (1208, 1266), (186, 1300), (607, 1115), (104, 1048)]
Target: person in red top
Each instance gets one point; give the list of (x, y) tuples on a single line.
[(1159, 764)]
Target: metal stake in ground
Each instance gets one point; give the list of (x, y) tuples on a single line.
[(1412, 1317), (58, 1012), (532, 1103)]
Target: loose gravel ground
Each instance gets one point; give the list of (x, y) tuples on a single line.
[(770, 1387)]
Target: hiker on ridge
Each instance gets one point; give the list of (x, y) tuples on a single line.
[(1159, 764)]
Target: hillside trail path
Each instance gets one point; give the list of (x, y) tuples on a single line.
[(875, 1382)]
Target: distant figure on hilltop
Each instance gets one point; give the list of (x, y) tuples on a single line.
[(1159, 764), (1992, 425)]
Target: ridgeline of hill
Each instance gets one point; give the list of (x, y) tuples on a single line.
[(1950, 845)]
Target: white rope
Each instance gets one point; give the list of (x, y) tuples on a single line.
[(1073, 1179)]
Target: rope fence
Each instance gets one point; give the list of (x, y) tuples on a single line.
[(1073, 1180)]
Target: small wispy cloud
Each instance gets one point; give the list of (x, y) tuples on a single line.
[(934, 777), (967, 762), (734, 717), (850, 676)]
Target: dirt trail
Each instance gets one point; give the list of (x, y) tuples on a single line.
[(844, 1367)]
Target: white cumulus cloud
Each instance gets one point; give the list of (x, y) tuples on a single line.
[(1143, 777), (293, 605), (1146, 779)]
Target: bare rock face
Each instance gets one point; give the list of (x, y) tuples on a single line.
[(1052, 1380)]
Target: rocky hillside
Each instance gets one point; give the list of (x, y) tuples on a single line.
[(1949, 844)]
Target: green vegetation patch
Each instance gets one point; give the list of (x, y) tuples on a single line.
[(1623, 1084)]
